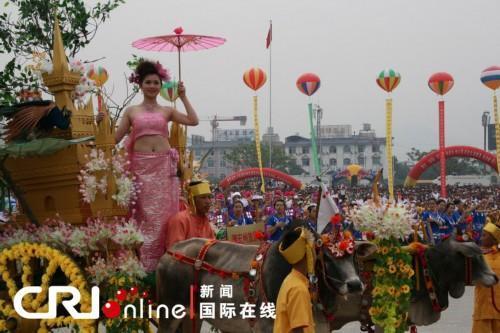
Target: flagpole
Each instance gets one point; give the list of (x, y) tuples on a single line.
[(270, 96)]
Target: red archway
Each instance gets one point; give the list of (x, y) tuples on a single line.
[(452, 151), (255, 173)]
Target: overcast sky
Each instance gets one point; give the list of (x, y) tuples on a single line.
[(347, 43)]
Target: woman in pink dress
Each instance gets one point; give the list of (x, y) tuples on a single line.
[(153, 160)]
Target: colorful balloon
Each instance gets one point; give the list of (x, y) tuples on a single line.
[(441, 83), (98, 74), (254, 78), (388, 79), (169, 90), (490, 77), (354, 169), (308, 83)]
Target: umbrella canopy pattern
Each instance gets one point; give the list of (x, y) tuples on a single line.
[(172, 43), (178, 42)]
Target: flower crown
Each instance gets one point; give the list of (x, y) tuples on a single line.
[(160, 70)]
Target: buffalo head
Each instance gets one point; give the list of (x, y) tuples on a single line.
[(340, 272), (447, 264)]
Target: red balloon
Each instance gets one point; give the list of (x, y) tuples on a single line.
[(254, 78), (134, 291), (441, 83), (111, 309), (308, 83), (121, 295)]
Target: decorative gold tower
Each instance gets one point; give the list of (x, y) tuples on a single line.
[(50, 183)]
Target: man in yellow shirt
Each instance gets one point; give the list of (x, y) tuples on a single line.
[(294, 306), (486, 316)]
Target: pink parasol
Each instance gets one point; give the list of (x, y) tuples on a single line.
[(178, 42)]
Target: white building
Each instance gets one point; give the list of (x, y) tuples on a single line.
[(337, 152)]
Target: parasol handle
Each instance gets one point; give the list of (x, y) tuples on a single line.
[(179, 59)]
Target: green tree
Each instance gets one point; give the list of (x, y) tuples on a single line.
[(246, 156), (401, 170), (26, 28)]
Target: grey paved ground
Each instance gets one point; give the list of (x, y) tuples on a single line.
[(456, 319)]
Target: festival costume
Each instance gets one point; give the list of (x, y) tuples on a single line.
[(486, 318), (294, 306), (244, 219), (188, 224), (272, 221), (156, 174), (185, 225)]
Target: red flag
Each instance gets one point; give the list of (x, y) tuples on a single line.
[(269, 37)]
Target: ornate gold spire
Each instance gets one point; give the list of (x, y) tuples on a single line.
[(59, 60), (62, 82)]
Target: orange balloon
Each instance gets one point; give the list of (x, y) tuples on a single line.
[(254, 78)]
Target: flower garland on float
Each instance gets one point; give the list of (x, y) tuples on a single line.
[(56, 259), (93, 182), (393, 270), (81, 252), (340, 243)]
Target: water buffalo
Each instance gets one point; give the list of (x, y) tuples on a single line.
[(447, 264), (174, 279)]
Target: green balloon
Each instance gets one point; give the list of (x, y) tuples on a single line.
[(169, 90)]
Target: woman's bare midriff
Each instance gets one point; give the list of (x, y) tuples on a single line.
[(151, 144)]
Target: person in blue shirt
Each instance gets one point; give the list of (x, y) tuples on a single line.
[(277, 222), (239, 216), (430, 218), (448, 220), (311, 217)]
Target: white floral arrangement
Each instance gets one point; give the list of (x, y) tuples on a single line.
[(127, 234), (103, 269), (384, 221), (127, 263), (86, 85), (91, 183), (127, 186)]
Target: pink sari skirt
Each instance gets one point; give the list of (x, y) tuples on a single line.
[(157, 201)]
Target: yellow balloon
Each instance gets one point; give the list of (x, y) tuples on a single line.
[(98, 74)]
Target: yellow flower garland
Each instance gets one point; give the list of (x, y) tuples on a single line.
[(391, 290), (56, 259)]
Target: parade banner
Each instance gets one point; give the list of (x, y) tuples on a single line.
[(314, 147), (257, 142), (245, 234), (442, 155), (441, 83), (255, 78), (389, 154), (497, 130)]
